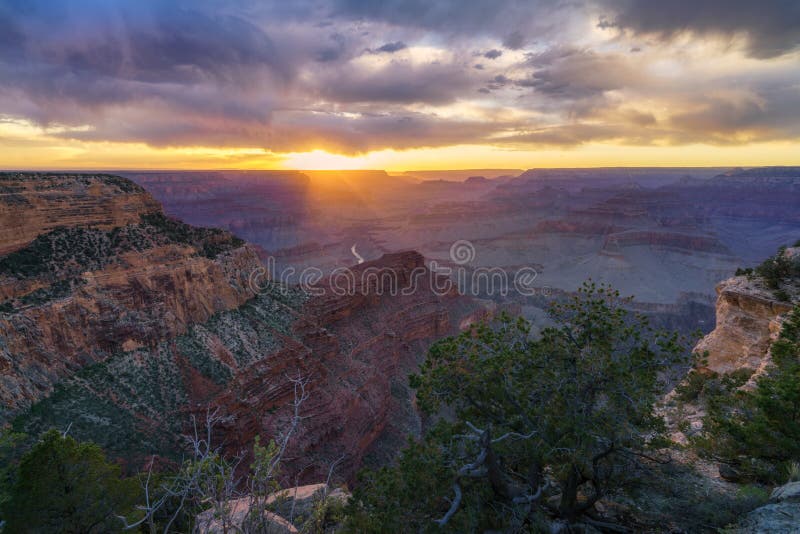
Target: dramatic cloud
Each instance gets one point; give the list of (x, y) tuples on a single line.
[(771, 27), (358, 75)]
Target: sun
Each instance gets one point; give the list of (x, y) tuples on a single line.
[(321, 160)]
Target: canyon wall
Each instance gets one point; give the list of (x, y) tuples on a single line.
[(126, 328), (35, 203)]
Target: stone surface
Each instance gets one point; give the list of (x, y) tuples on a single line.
[(288, 509), (238, 512), (787, 492), (748, 320), (777, 518), (34, 203)]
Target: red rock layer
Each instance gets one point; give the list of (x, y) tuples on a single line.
[(356, 350), (33, 204)]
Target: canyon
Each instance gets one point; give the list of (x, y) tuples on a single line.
[(127, 326), (132, 323), (665, 236)]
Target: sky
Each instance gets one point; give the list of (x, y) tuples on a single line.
[(398, 85)]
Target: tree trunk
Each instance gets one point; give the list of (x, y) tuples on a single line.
[(568, 507)]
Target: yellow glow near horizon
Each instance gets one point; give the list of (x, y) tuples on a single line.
[(25, 147)]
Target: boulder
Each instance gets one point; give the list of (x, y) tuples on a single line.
[(729, 473), (787, 493), (238, 511), (287, 507), (776, 518)]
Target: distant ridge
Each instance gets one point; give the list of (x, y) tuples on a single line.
[(461, 175)]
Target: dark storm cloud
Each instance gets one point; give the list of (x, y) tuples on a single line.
[(493, 54), (79, 58), (772, 27), (571, 73), (456, 15), (391, 48), (123, 40), (400, 83), (514, 40), (514, 22)]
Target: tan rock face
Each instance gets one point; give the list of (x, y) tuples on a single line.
[(35, 203), (748, 319)]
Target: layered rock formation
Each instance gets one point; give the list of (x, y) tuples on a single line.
[(108, 273), (749, 318), (33, 204), (124, 333)]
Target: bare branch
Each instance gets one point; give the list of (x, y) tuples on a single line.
[(454, 504)]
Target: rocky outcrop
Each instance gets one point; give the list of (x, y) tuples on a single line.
[(144, 298), (283, 511), (780, 516), (748, 319), (35, 203), (98, 270), (357, 349)]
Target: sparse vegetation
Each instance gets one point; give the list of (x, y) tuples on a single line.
[(544, 428), (130, 404), (778, 269), (68, 252), (779, 273), (757, 432)]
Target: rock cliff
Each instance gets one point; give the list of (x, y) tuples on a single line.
[(106, 273), (35, 203), (749, 317)]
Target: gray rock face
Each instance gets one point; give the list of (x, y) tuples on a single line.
[(781, 516), (787, 493), (776, 518)]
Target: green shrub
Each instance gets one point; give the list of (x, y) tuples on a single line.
[(692, 386), (758, 432), (68, 252), (778, 269), (66, 486), (546, 424)]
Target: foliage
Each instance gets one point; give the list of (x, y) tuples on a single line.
[(758, 431), (66, 486), (675, 497), (68, 252), (568, 411), (411, 495), (13, 445), (693, 385), (778, 269)]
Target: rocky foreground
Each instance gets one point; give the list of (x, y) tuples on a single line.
[(120, 323)]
